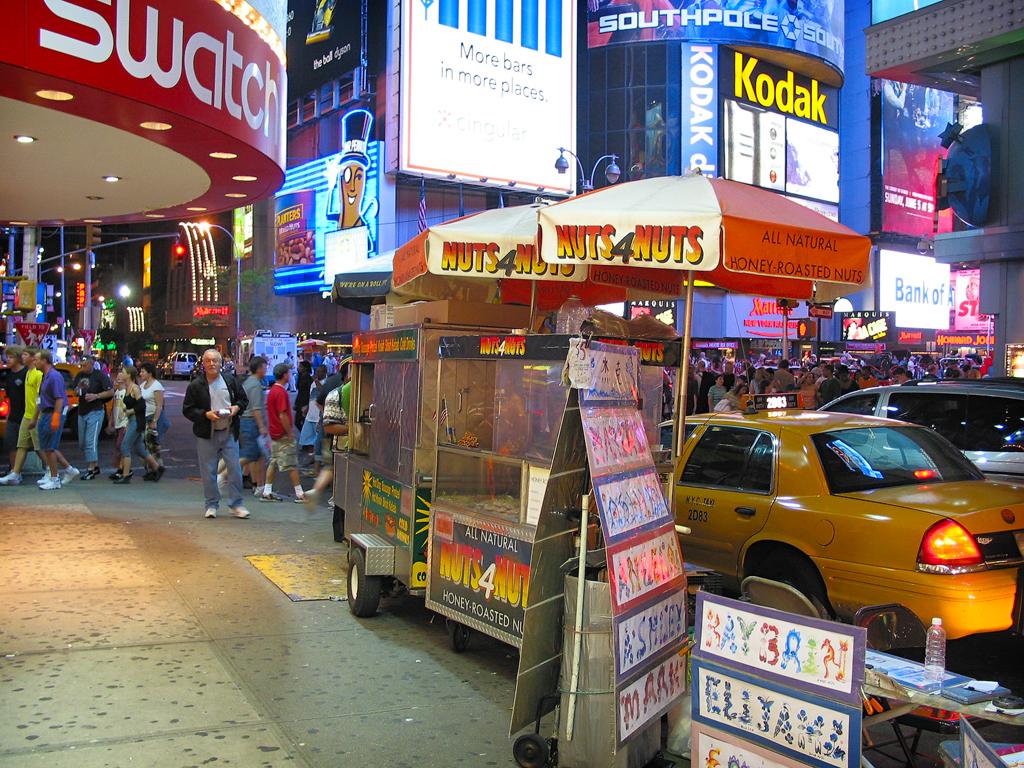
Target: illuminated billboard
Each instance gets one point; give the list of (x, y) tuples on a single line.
[(322, 44), (912, 118), (965, 285), (811, 28), (241, 230), (916, 288), (779, 128), (699, 93), (326, 211), (488, 91)]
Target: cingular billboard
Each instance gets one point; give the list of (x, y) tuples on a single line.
[(814, 28)]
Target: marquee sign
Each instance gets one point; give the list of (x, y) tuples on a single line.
[(868, 326)]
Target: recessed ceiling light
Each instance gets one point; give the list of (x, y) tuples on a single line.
[(23, 139), (93, 221), (223, 155), (234, 194), (19, 223), (196, 208), (93, 197), (154, 215), (111, 179), (54, 95), (153, 125), (243, 178)]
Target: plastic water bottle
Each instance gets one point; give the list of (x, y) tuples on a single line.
[(935, 654), (571, 316)]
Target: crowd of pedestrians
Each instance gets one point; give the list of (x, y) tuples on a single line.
[(245, 434), (245, 429), (719, 384)]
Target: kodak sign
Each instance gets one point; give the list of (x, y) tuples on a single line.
[(781, 90)]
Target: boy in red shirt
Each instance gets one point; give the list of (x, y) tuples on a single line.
[(283, 455)]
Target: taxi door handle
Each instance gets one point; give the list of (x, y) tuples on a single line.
[(746, 511)]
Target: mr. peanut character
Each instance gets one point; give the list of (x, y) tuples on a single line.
[(346, 175)]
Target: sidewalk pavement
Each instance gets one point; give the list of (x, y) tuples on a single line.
[(133, 631)]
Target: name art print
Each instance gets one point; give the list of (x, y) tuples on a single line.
[(815, 655), (617, 440), (648, 632), (644, 566), (811, 729), (631, 502)]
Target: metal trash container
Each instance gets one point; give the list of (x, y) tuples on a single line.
[(593, 739)]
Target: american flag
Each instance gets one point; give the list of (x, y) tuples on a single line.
[(423, 207), (442, 417)]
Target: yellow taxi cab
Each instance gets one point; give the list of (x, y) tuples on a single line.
[(853, 511)]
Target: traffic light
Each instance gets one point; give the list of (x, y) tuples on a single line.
[(93, 235), (178, 250), (806, 329)]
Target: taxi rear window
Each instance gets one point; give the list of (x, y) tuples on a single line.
[(881, 457)]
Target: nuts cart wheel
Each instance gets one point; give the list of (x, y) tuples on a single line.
[(531, 751), (363, 590), (459, 636)]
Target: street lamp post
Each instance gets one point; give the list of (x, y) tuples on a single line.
[(63, 306), (612, 172), (236, 256)]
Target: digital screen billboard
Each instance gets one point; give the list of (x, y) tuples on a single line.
[(965, 285), (774, 152), (912, 118), (322, 42), (326, 211), (812, 28), (868, 326), (488, 91), (812, 161), (916, 288), (241, 230), (883, 10)]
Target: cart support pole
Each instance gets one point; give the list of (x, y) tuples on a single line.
[(682, 381), (577, 638), (533, 303)]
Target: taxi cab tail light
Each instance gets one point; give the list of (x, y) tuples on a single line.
[(947, 544)]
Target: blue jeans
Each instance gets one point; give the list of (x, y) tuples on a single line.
[(220, 445), (89, 426), (134, 441)]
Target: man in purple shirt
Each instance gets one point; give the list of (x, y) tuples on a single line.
[(52, 397)]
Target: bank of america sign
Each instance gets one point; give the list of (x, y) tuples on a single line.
[(533, 24)]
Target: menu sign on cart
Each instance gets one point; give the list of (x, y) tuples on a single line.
[(645, 564), (783, 687)]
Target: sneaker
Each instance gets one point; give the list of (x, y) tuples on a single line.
[(91, 473), (300, 499), (124, 480), (69, 474), (210, 512), (47, 477), (330, 502), (114, 475), (271, 497), (160, 472), (11, 478), (311, 497), (53, 484), (240, 512), (149, 477)]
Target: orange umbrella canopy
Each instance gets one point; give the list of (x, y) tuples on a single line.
[(732, 235)]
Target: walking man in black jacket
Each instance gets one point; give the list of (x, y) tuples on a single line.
[(213, 403)]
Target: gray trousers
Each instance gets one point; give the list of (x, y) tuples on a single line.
[(221, 445)]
